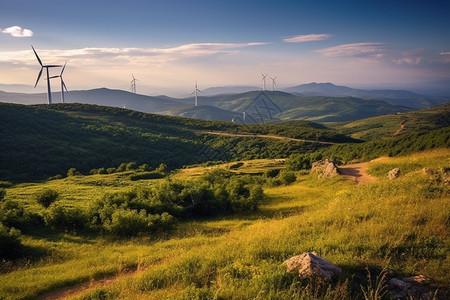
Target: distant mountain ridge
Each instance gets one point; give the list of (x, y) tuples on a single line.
[(396, 97), (321, 102)]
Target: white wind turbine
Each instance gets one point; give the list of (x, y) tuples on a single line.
[(63, 85), (264, 80), (133, 84), (49, 92), (273, 82), (195, 92)]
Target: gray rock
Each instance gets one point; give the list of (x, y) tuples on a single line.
[(324, 168), (308, 264), (415, 287), (394, 173)]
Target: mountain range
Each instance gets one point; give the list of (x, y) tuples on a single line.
[(320, 102)]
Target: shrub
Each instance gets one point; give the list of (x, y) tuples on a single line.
[(272, 173), (12, 214), (65, 219), (2, 194), (287, 177), (46, 197), (72, 172), (5, 184), (10, 245), (146, 175)]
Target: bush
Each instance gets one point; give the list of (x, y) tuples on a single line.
[(65, 219), (146, 175), (73, 172), (10, 245), (12, 214), (5, 184), (46, 197), (287, 177)]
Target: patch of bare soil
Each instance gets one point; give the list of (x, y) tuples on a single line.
[(80, 288), (357, 173)]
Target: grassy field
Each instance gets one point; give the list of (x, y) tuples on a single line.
[(402, 225)]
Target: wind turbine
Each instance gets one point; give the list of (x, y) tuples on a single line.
[(195, 92), (63, 85), (273, 82), (49, 92), (264, 81), (133, 84)]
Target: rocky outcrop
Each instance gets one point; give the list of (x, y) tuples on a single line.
[(308, 264), (415, 287), (394, 173), (325, 168)]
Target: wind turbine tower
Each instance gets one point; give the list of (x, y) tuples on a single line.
[(195, 92), (264, 80), (63, 85), (273, 82), (133, 84), (49, 92)]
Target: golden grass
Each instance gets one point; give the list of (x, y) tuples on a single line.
[(401, 224)]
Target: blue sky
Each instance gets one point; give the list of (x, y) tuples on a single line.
[(168, 45)]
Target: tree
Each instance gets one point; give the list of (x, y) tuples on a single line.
[(47, 197), (72, 172)]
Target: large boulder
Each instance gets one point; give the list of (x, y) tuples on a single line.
[(309, 264), (394, 173), (324, 168)]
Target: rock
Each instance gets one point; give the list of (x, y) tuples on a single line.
[(324, 168), (415, 287), (308, 264), (394, 173)]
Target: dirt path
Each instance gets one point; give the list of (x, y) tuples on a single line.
[(357, 173), (266, 136), (75, 290)]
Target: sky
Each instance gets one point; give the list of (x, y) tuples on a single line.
[(168, 45)]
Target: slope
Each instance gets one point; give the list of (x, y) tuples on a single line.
[(42, 141), (398, 124)]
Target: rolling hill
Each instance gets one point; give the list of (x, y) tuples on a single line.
[(228, 106), (395, 97), (39, 141)]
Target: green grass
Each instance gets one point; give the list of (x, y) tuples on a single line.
[(400, 224)]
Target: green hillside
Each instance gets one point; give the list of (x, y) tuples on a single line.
[(42, 141), (388, 125)]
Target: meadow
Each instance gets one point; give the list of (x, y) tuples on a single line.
[(400, 225)]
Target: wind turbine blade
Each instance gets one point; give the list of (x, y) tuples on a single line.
[(39, 76), (53, 66), (64, 85), (63, 68), (56, 76), (37, 56)]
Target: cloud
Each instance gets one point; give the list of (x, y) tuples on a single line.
[(17, 31), (307, 38), (104, 56), (362, 50), (445, 53)]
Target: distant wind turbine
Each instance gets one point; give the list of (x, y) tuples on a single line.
[(273, 82), (49, 92), (133, 84), (195, 92), (63, 85), (264, 81)]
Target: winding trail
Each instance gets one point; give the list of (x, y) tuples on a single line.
[(357, 173), (266, 136)]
